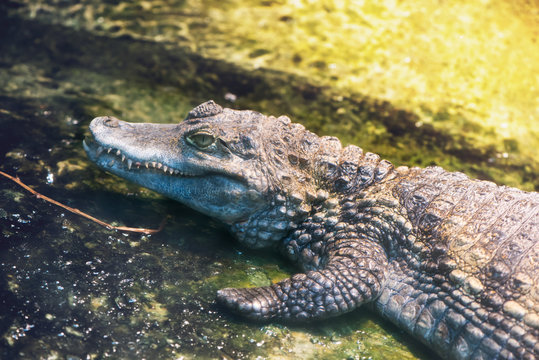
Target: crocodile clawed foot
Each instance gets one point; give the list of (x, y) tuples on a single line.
[(253, 303)]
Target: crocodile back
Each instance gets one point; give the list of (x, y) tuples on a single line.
[(466, 279)]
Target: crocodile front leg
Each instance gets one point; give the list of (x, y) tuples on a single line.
[(353, 274)]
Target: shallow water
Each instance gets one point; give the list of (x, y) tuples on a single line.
[(72, 289)]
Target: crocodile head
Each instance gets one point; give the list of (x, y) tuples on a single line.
[(228, 164)]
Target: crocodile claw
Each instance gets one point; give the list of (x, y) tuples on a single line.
[(254, 303)]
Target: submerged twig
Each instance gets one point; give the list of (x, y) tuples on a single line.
[(83, 214)]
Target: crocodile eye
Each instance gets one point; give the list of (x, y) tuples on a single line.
[(201, 140)]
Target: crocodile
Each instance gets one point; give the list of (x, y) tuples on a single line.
[(451, 260)]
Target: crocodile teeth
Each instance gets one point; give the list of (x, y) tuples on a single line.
[(154, 164)]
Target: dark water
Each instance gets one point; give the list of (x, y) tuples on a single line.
[(70, 289)]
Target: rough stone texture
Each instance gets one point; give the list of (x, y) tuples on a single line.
[(451, 260)]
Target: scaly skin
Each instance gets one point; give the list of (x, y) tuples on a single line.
[(451, 260)]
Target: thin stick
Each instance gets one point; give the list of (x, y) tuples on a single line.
[(78, 212)]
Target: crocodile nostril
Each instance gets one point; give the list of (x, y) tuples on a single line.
[(111, 122)]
